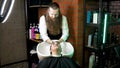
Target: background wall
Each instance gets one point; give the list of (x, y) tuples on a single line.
[(73, 9), (12, 36)]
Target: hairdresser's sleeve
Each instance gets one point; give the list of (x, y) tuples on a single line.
[(43, 28), (65, 29)]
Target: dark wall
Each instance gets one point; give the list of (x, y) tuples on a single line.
[(12, 36), (73, 9)]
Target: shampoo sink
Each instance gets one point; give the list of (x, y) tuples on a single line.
[(43, 50)]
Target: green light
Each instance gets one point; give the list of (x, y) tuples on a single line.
[(105, 28)]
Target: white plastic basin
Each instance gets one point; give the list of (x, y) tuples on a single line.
[(43, 50)]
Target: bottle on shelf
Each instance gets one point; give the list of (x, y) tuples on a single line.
[(37, 33), (90, 40), (92, 60), (95, 37), (95, 17), (89, 16), (30, 31), (112, 38), (117, 39), (33, 29)]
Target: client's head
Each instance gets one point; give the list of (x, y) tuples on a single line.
[(55, 49)]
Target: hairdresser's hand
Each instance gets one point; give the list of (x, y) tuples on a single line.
[(56, 43), (59, 41), (49, 41)]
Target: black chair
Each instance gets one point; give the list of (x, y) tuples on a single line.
[(117, 51)]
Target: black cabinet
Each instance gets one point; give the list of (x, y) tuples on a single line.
[(32, 9), (39, 2), (101, 35)]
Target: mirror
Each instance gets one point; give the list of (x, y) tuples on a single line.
[(5, 9)]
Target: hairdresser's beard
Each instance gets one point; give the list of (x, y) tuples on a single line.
[(54, 26), (54, 19)]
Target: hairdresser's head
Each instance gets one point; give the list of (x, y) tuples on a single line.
[(54, 18), (54, 10)]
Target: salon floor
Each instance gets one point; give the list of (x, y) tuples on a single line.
[(18, 65)]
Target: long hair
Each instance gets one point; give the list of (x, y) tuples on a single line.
[(54, 26)]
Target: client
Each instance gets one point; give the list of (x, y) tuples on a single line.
[(57, 60)]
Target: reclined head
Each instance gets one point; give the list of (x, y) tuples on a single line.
[(55, 49)]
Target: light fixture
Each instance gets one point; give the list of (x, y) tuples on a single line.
[(5, 9), (105, 28)]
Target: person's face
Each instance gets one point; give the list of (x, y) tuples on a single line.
[(53, 13), (55, 47)]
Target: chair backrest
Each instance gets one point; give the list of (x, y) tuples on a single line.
[(117, 50)]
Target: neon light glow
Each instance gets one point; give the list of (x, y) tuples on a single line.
[(9, 9), (105, 28), (3, 7)]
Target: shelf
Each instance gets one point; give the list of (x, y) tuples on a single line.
[(38, 40), (92, 25), (115, 23), (38, 6), (91, 48), (112, 46), (106, 24), (33, 10), (95, 49)]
